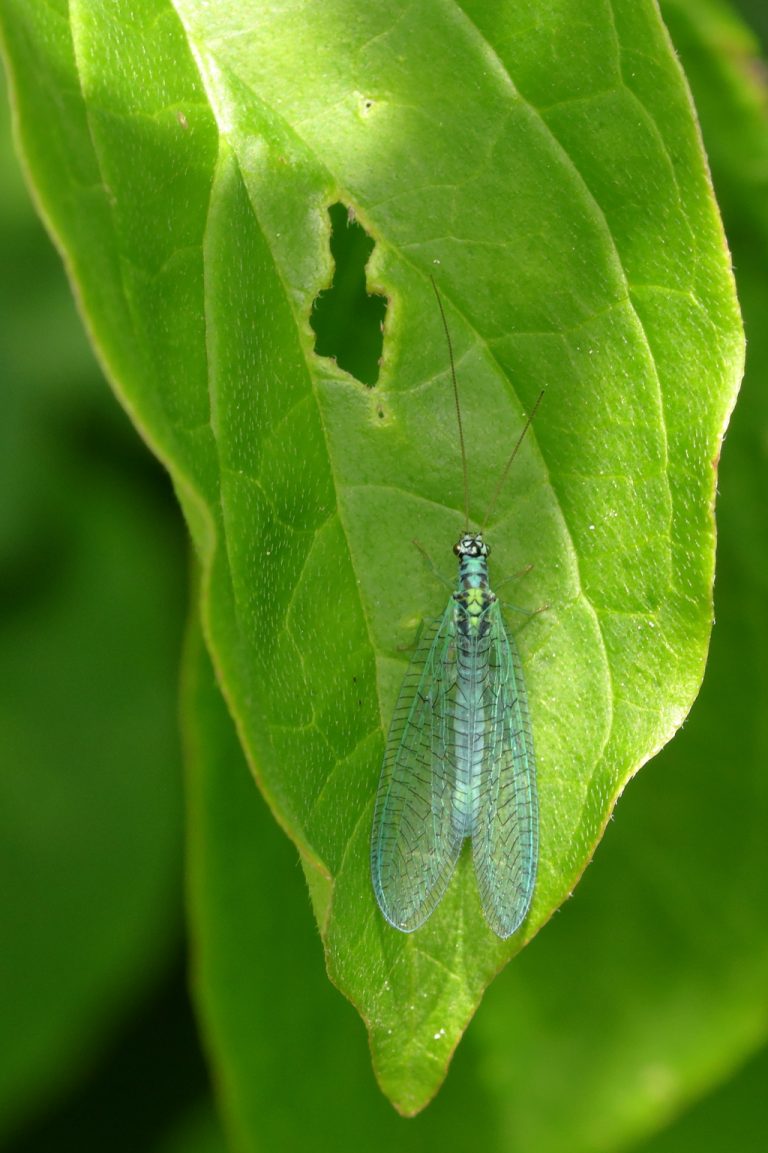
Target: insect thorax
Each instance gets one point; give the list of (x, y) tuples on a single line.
[(473, 595), (473, 553)]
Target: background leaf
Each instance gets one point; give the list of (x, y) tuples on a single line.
[(733, 1112), (198, 1132), (92, 569)]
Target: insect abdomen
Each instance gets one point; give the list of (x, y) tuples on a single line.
[(470, 721)]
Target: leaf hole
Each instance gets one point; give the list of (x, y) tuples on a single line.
[(348, 322)]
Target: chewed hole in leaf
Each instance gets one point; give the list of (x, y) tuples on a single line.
[(347, 321)]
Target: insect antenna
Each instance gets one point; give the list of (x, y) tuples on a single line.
[(458, 405), (508, 465)]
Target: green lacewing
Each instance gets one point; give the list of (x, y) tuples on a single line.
[(459, 760)]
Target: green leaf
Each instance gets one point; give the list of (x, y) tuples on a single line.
[(90, 806), (275, 1029), (198, 1132), (185, 158), (732, 1117)]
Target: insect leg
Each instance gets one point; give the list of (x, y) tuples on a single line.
[(431, 565)]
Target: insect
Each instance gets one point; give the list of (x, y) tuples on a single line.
[(459, 760)]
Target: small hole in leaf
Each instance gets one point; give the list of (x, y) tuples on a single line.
[(347, 321)]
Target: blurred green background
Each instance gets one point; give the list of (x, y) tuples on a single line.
[(99, 1048), (94, 1016)]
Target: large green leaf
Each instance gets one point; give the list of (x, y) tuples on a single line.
[(649, 987), (185, 158)]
